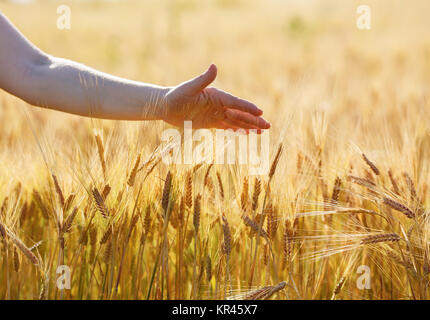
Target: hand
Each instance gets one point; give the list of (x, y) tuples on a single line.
[(209, 107)]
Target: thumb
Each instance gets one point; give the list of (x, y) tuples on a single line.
[(200, 82)]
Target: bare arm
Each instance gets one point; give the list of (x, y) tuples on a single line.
[(49, 82), (64, 85)]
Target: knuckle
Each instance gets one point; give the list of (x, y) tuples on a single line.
[(211, 90)]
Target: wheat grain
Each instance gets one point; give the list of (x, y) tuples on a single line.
[(106, 235), (206, 178), (299, 164), (377, 238), (399, 207), (69, 221), (196, 215), (288, 241), (220, 185), (362, 182), (133, 172), (256, 194), (106, 190), (336, 190), (265, 292), (275, 161), (393, 182), (254, 226), (108, 252), (58, 190), (244, 197), (410, 184), (2, 231), (147, 220), (38, 199), (371, 165), (101, 206), (16, 263), (26, 251), (188, 190), (227, 237), (272, 221), (69, 202), (338, 287), (208, 268)]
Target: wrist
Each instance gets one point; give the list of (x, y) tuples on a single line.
[(154, 106), (162, 103)]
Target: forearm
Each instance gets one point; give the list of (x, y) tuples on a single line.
[(74, 88)]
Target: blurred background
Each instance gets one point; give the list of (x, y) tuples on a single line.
[(306, 63)]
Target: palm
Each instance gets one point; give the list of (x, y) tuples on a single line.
[(211, 107)]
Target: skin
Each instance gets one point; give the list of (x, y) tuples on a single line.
[(54, 83)]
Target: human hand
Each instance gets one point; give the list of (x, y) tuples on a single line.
[(209, 107)]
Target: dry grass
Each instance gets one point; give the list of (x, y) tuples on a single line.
[(347, 185)]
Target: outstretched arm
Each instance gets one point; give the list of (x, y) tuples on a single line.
[(64, 85)]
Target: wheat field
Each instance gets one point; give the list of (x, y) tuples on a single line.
[(346, 195)]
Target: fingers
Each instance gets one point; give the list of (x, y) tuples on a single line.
[(246, 119), (237, 127), (197, 84), (228, 100), (226, 125), (238, 124)]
